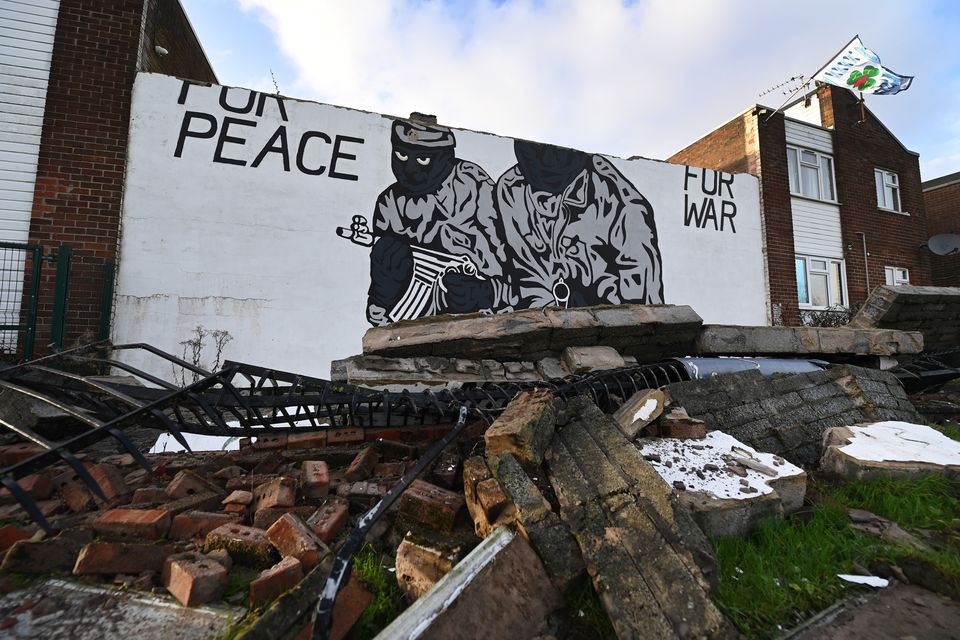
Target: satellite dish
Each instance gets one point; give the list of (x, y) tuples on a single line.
[(944, 244)]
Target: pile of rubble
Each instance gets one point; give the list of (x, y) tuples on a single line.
[(579, 462)]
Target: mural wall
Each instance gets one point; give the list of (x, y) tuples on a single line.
[(294, 226)]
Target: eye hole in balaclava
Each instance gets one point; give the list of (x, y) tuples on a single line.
[(422, 157), (549, 168)]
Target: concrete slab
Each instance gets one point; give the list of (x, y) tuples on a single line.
[(75, 611), (888, 449), (933, 311), (729, 340), (727, 484)]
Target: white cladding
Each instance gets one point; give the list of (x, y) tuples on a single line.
[(800, 134), (806, 112), (254, 251), (26, 47), (816, 225), (816, 228)]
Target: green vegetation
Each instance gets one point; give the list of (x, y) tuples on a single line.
[(785, 571), (587, 617), (388, 601), (952, 431)]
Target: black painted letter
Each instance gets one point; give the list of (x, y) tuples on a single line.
[(271, 147), (186, 133), (303, 147), (224, 138), (337, 155)]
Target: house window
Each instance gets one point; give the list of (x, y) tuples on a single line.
[(896, 275), (888, 190), (811, 174), (820, 282)]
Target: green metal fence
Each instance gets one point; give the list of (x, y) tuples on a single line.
[(20, 266)]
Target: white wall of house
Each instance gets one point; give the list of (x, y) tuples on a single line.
[(254, 250), (26, 47)]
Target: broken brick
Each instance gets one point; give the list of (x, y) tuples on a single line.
[(117, 557), (525, 427), (314, 479), (263, 518), (248, 482), (111, 482), (186, 526), (271, 441), (274, 581), (678, 424), (246, 545), (195, 581), (492, 499), (352, 601), (430, 505), (329, 520), (227, 473), (189, 483), (38, 486), (143, 523), (149, 495), (314, 440), (420, 564), (42, 556), (389, 470), (278, 492), (10, 534), (292, 537), (197, 502), (77, 497), (11, 454), (362, 465), (240, 497), (239, 510), (345, 435)]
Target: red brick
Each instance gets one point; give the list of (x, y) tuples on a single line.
[(431, 505), (239, 510), (10, 534), (345, 435), (389, 470), (186, 526), (146, 495), (278, 492), (274, 581), (352, 601), (77, 497), (195, 581), (11, 454), (329, 520), (188, 483), (263, 518), (111, 482), (313, 440), (240, 497), (116, 557), (143, 523), (248, 482), (271, 441), (227, 473), (41, 556), (246, 545), (314, 479), (362, 465), (292, 537)]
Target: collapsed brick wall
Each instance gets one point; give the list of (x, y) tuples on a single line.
[(788, 414)]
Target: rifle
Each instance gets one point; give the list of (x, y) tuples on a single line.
[(429, 267)]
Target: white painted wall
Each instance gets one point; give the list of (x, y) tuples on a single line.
[(253, 251)]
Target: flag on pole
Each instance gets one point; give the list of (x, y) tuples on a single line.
[(858, 68)]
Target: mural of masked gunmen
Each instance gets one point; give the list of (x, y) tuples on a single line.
[(579, 233), (438, 246)]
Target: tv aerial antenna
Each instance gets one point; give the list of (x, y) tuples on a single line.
[(788, 87)]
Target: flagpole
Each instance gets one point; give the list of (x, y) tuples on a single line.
[(863, 112)]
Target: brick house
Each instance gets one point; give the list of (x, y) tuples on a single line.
[(942, 199), (842, 202), (69, 67)]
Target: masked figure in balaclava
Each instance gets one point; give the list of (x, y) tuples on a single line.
[(578, 232), (439, 206)]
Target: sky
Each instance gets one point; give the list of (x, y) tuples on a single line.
[(624, 78)]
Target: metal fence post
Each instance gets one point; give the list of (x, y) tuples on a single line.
[(30, 334), (61, 289)]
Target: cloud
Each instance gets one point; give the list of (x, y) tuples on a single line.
[(639, 78)]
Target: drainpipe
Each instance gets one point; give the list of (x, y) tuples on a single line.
[(866, 262)]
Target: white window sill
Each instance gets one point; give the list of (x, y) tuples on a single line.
[(899, 213), (811, 199)]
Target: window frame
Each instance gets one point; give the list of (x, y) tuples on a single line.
[(890, 276), (882, 182), (826, 175), (835, 297)]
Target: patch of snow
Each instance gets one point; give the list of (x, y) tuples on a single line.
[(646, 410), (686, 457), (902, 442), (870, 581)]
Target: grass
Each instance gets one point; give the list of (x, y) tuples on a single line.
[(785, 571), (952, 431), (587, 616), (388, 601)]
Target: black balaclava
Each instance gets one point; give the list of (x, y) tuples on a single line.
[(422, 157), (548, 168)]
